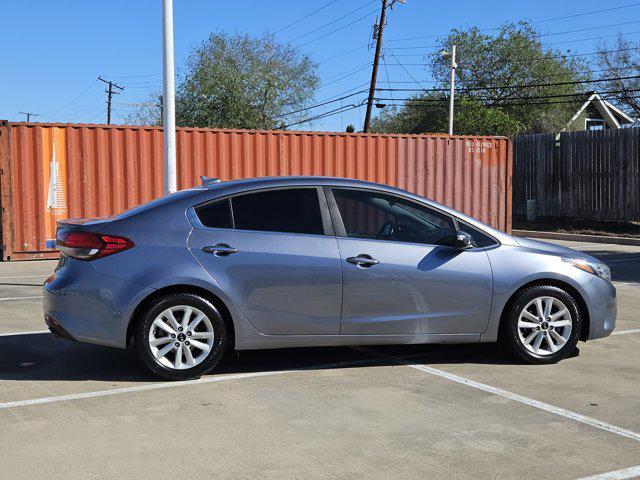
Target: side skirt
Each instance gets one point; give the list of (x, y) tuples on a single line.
[(292, 341)]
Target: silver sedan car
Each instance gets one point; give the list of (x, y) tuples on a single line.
[(315, 261)]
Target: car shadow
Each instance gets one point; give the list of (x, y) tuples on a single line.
[(38, 357), (625, 266)]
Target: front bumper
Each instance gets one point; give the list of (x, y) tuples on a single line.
[(82, 304), (600, 297)]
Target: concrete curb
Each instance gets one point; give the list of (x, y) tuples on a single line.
[(573, 237)]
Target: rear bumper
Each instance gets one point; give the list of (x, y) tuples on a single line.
[(600, 296), (82, 304), (56, 328)]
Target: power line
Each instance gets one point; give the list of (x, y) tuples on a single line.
[(630, 67), (321, 104), (342, 78), (593, 38), (386, 71), (136, 76), (74, 100), (348, 71), (305, 17), (407, 71), (508, 99), (533, 22), (588, 28), (79, 110), (92, 110), (587, 13), (338, 29), (331, 22), (343, 54), (545, 45), (335, 96), (559, 55), (509, 87), (147, 82), (328, 113), (500, 103), (98, 115)]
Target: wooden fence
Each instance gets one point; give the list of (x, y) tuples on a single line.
[(591, 175)]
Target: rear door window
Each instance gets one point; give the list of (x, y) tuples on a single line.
[(291, 210)]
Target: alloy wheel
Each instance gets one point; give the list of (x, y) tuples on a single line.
[(544, 325), (181, 337)]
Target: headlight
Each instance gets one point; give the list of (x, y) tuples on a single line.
[(595, 268)]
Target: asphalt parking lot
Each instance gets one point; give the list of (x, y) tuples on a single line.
[(69, 410)]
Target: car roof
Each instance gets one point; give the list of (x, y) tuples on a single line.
[(291, 180)]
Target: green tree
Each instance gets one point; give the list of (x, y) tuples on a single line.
[(491, 67), (238, 81), (622, 59), (146, 113), (428, 113)]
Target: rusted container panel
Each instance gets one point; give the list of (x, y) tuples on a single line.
[(54, 171)]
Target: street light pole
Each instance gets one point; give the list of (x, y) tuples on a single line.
[(168, 95), (452, 87)]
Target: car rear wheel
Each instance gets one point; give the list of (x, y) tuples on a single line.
[(181, 336), (542, 325)]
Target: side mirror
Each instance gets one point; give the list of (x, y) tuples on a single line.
[(463, 241)]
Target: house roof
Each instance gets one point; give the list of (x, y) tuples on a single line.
[(609, 112)]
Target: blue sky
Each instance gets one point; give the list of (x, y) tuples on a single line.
[(52, 51)]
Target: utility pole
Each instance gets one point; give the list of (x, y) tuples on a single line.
[(454, 65), (29, 115), (168, 99), (377, 30), (110, 93)]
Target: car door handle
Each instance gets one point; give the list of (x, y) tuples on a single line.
[(220, 249), (363, 260)]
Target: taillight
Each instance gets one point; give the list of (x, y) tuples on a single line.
[(89, 246)]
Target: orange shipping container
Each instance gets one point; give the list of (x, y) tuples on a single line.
[(53, 171)]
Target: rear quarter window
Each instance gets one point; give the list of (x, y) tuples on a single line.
[(216, 214)]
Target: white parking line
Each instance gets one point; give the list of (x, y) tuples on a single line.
[(31, 332), (624, 474), (7, 299), (633, 259), (594, 422), (11, 277), (158, 386), (625, 332)]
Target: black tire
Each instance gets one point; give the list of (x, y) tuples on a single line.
[(509, 335), (144, 327)]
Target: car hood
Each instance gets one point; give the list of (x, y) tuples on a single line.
[(552, 248)]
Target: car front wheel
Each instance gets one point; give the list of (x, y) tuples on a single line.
[(181, 336), (542, 325)]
